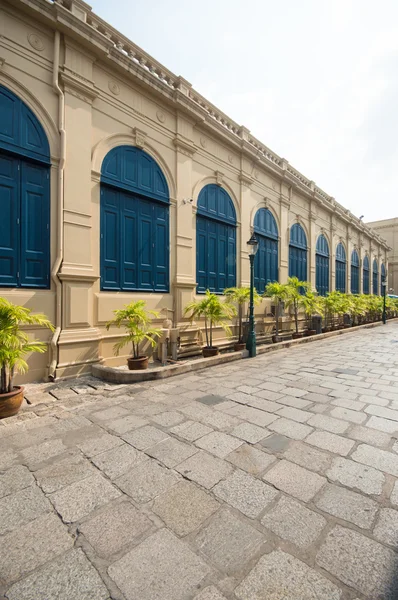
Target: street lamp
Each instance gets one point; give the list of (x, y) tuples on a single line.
[(251, 338), (384, 284)]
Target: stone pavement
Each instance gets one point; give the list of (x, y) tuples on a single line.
[(274, 478)]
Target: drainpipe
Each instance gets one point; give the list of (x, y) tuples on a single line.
[(60, 212)]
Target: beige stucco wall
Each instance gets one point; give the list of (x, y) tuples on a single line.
[(388, 229), (109, 101)]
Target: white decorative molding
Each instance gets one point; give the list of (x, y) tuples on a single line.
[(184, 146), (245, 180), (230, 159), (203, 142), (160, 116), (2, 62), (140, 137), (114, 87), (78, 86), (36, 42), (219, 177)]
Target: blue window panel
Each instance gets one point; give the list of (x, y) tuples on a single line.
[(322, 274), (35, 225), (214, 202), (265, 262), (215, 255), (24, 223), (298, 263), (366, 288), (215, 240), (20, 130), (265, 224), (133, 170), (375, 285), (10, 214), (322, 246), (135, 250), (354, 279), (340, 276), (322, 266), (298, 239), (110, 239), (340, 268), (134, 243)]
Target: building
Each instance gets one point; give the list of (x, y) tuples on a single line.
[(388, 229), (120, 181)]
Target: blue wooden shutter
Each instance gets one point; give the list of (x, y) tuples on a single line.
[(201, 253), (145, 245), (110, 239), (128, 241), (9, 229), (35, 225), (231, 257), (162, 251), (354, 279), (375, 278), (212, 255)]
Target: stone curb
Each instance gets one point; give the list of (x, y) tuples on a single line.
[(114, 375)]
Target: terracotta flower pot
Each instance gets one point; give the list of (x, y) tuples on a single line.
[(208, 351), (310, 332), (297, 336), (10, 403), (239, 347), (137, 364), (276, 339), (325, 329)]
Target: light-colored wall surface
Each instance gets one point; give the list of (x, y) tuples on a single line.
[(115, 94), (388, 230)]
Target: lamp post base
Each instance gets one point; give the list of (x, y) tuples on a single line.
[(251, 344)]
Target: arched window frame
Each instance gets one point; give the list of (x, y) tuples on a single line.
[(266, 261), (298, 252), (341, 262), (134, 222), (375, 279), (216, 227), (24, 196), (322, 260), (365, 269), (354, 272)]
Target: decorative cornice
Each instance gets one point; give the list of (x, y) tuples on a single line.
[(78, 86), (184, 145), (219, 177), (140, 137), (245, 179)]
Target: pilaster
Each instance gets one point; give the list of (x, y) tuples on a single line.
[(312, 247), (284, 247)]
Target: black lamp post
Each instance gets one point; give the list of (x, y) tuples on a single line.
[(251, 338), (384, 284)]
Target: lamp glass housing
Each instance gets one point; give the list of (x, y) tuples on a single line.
[(253, 245)]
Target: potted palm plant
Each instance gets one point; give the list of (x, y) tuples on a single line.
[(215, 312), (278, 293), (14, 346), (312, 306), (294, 299), (136, 319), (239, 296)]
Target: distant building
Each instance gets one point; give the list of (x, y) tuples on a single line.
[(388, 230), (119, 181)]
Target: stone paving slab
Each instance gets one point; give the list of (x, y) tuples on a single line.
[(274, 478)]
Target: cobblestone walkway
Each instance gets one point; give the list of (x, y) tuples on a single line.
[(269, 479)]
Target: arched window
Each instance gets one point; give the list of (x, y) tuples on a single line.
[(24, 196), (298, 253), (366, 275), (382, 277), (340, 268), (215, 240), (375, 286), (134, 222), (266, 259), (354, 272), (322, 265)]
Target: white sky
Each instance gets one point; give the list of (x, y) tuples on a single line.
[(314, 80)]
